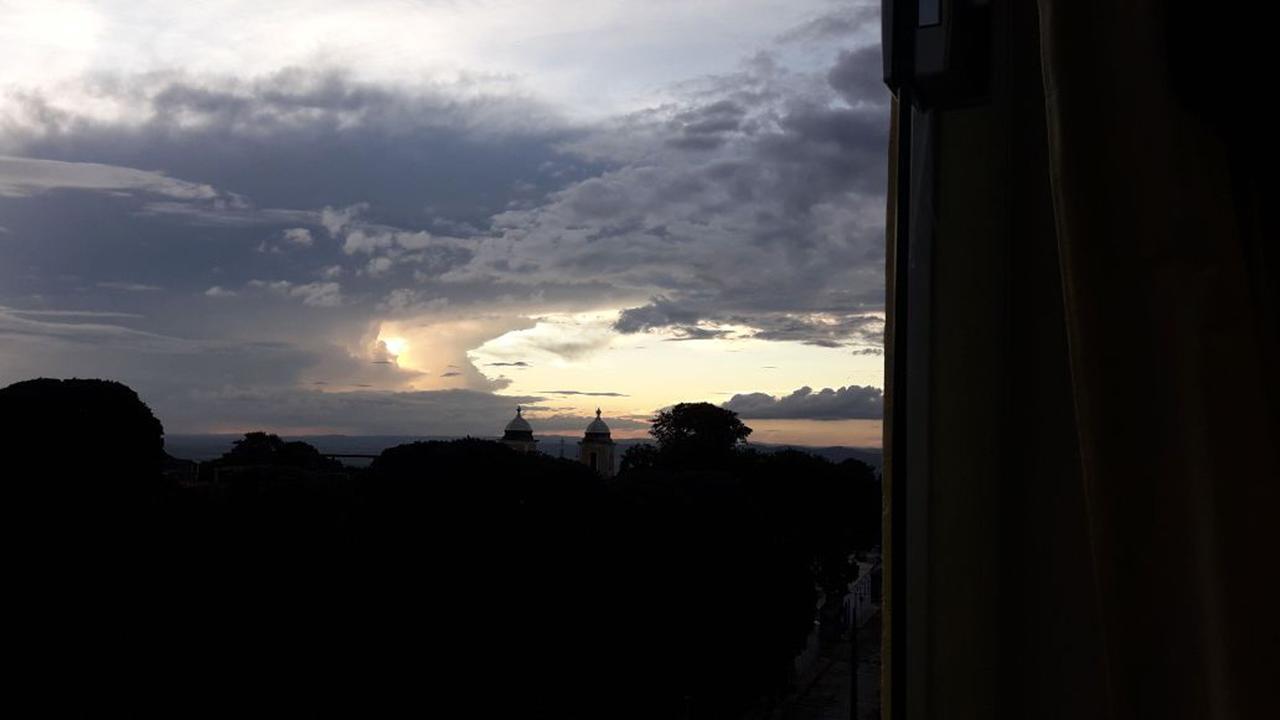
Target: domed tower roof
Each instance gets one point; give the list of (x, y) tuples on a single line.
[(598, 430), (518, 428)]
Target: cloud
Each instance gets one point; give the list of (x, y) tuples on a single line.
[(822, 329), (378, 266), (517, 364), (698, 319), (661, 312), (837, 24), (129, 286), (757, 198), (67, 313), (553, 337), (583, 392), (356, 412), (20, 324), (359, 241), (755, 195), (335, 220), (850, 78), (298, 236), (21, 176), (693, 332), (317, 294), (217, 291), (852, 402), (324, 294), (382, 355), (706, 127)]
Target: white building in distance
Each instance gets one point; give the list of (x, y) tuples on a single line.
[(595, 450)]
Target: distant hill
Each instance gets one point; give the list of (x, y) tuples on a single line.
[(208, 447), (836, 453), (202, 448)]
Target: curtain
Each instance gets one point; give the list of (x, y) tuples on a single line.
[(1160, 165)]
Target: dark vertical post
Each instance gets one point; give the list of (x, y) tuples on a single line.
[(853, 660), (898, 18), (898, 423)]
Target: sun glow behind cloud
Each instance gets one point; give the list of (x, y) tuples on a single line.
[(395, 345)]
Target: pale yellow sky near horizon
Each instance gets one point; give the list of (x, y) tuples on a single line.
[(632, 375)]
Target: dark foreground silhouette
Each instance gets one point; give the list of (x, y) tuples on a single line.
[(456, 577)]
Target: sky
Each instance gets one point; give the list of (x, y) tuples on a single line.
[(408, 217)]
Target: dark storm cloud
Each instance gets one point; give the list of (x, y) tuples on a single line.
[(839, 23), (273, 165), (759, 201), (287, 208), (707, 127), (661, 312), (299, 139), (692, 332), (850, 78), (846, 403), (437, 412), (28, 324), (826, 331), (55, 345)]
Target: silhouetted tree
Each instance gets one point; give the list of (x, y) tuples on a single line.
[(254, 447), (479, 546), (639, 457), (81, 432), (260, 448), (82, 462), (688, 429)]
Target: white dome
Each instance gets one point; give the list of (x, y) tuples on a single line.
[(597, 426), (519, 424)]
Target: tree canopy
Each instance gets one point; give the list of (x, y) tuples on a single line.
[(261, 448), (71, 430), (701, 426)]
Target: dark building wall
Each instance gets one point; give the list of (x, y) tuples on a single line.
[(1000, 603), (1083, 410)]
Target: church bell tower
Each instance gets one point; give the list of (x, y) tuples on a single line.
[(596, 448)]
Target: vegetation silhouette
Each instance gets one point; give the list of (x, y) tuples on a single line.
[(82, 469), (260, 448), (107, 422), (699, 433), (683, 587)]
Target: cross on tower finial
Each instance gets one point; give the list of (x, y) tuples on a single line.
[(517, 410), (597, 413)]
